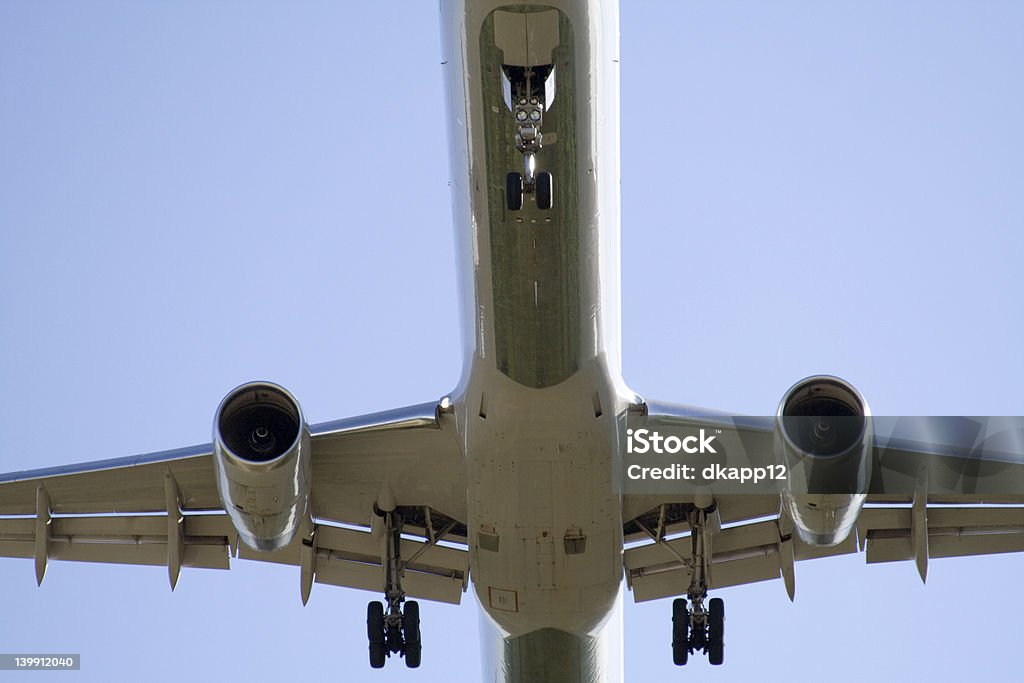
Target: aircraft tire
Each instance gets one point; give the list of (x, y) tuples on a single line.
[(680, 632), (545, 191), (411, 634), (514, 191), (716, 631), (375, 634)]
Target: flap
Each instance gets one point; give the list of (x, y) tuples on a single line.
[(741, 554)]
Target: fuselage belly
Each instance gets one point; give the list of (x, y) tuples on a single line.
[(541, 388)]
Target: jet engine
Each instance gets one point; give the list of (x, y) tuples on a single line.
[(262, 456), (823, 435)]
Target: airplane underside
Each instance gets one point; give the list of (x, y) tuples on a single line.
[(516, 484)]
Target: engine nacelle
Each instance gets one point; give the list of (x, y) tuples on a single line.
[(262, 454), (823, 435)]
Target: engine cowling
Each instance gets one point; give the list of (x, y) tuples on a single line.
[(824, 436), (262, 455)]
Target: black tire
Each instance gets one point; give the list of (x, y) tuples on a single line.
[(680, 632), (378, 655), (411, 634), (413, 654), (545, 191), (716, 631), (375, 634), (514, 191), (375, 622)]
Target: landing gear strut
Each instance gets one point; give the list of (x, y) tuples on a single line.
[(694, 628), (396, 630), (698, 629), (528, 104)]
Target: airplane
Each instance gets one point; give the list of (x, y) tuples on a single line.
[(683, 334)]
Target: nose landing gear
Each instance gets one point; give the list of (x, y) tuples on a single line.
[(528, 107)]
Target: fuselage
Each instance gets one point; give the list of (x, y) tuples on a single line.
[(541, 389)]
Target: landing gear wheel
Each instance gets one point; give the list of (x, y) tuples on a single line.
[(545, 191), (411, 633), (375, 632), (514, 191), (680, 631), (716, 631)]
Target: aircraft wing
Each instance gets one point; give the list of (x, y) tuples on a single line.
[(164, 508), (941, 487)]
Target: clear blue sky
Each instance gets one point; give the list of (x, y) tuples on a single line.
[(196, 195)]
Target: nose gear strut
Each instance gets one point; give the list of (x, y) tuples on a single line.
[(528, 107)]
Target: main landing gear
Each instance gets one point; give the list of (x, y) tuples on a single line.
[(698, 629), (396, 631)]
